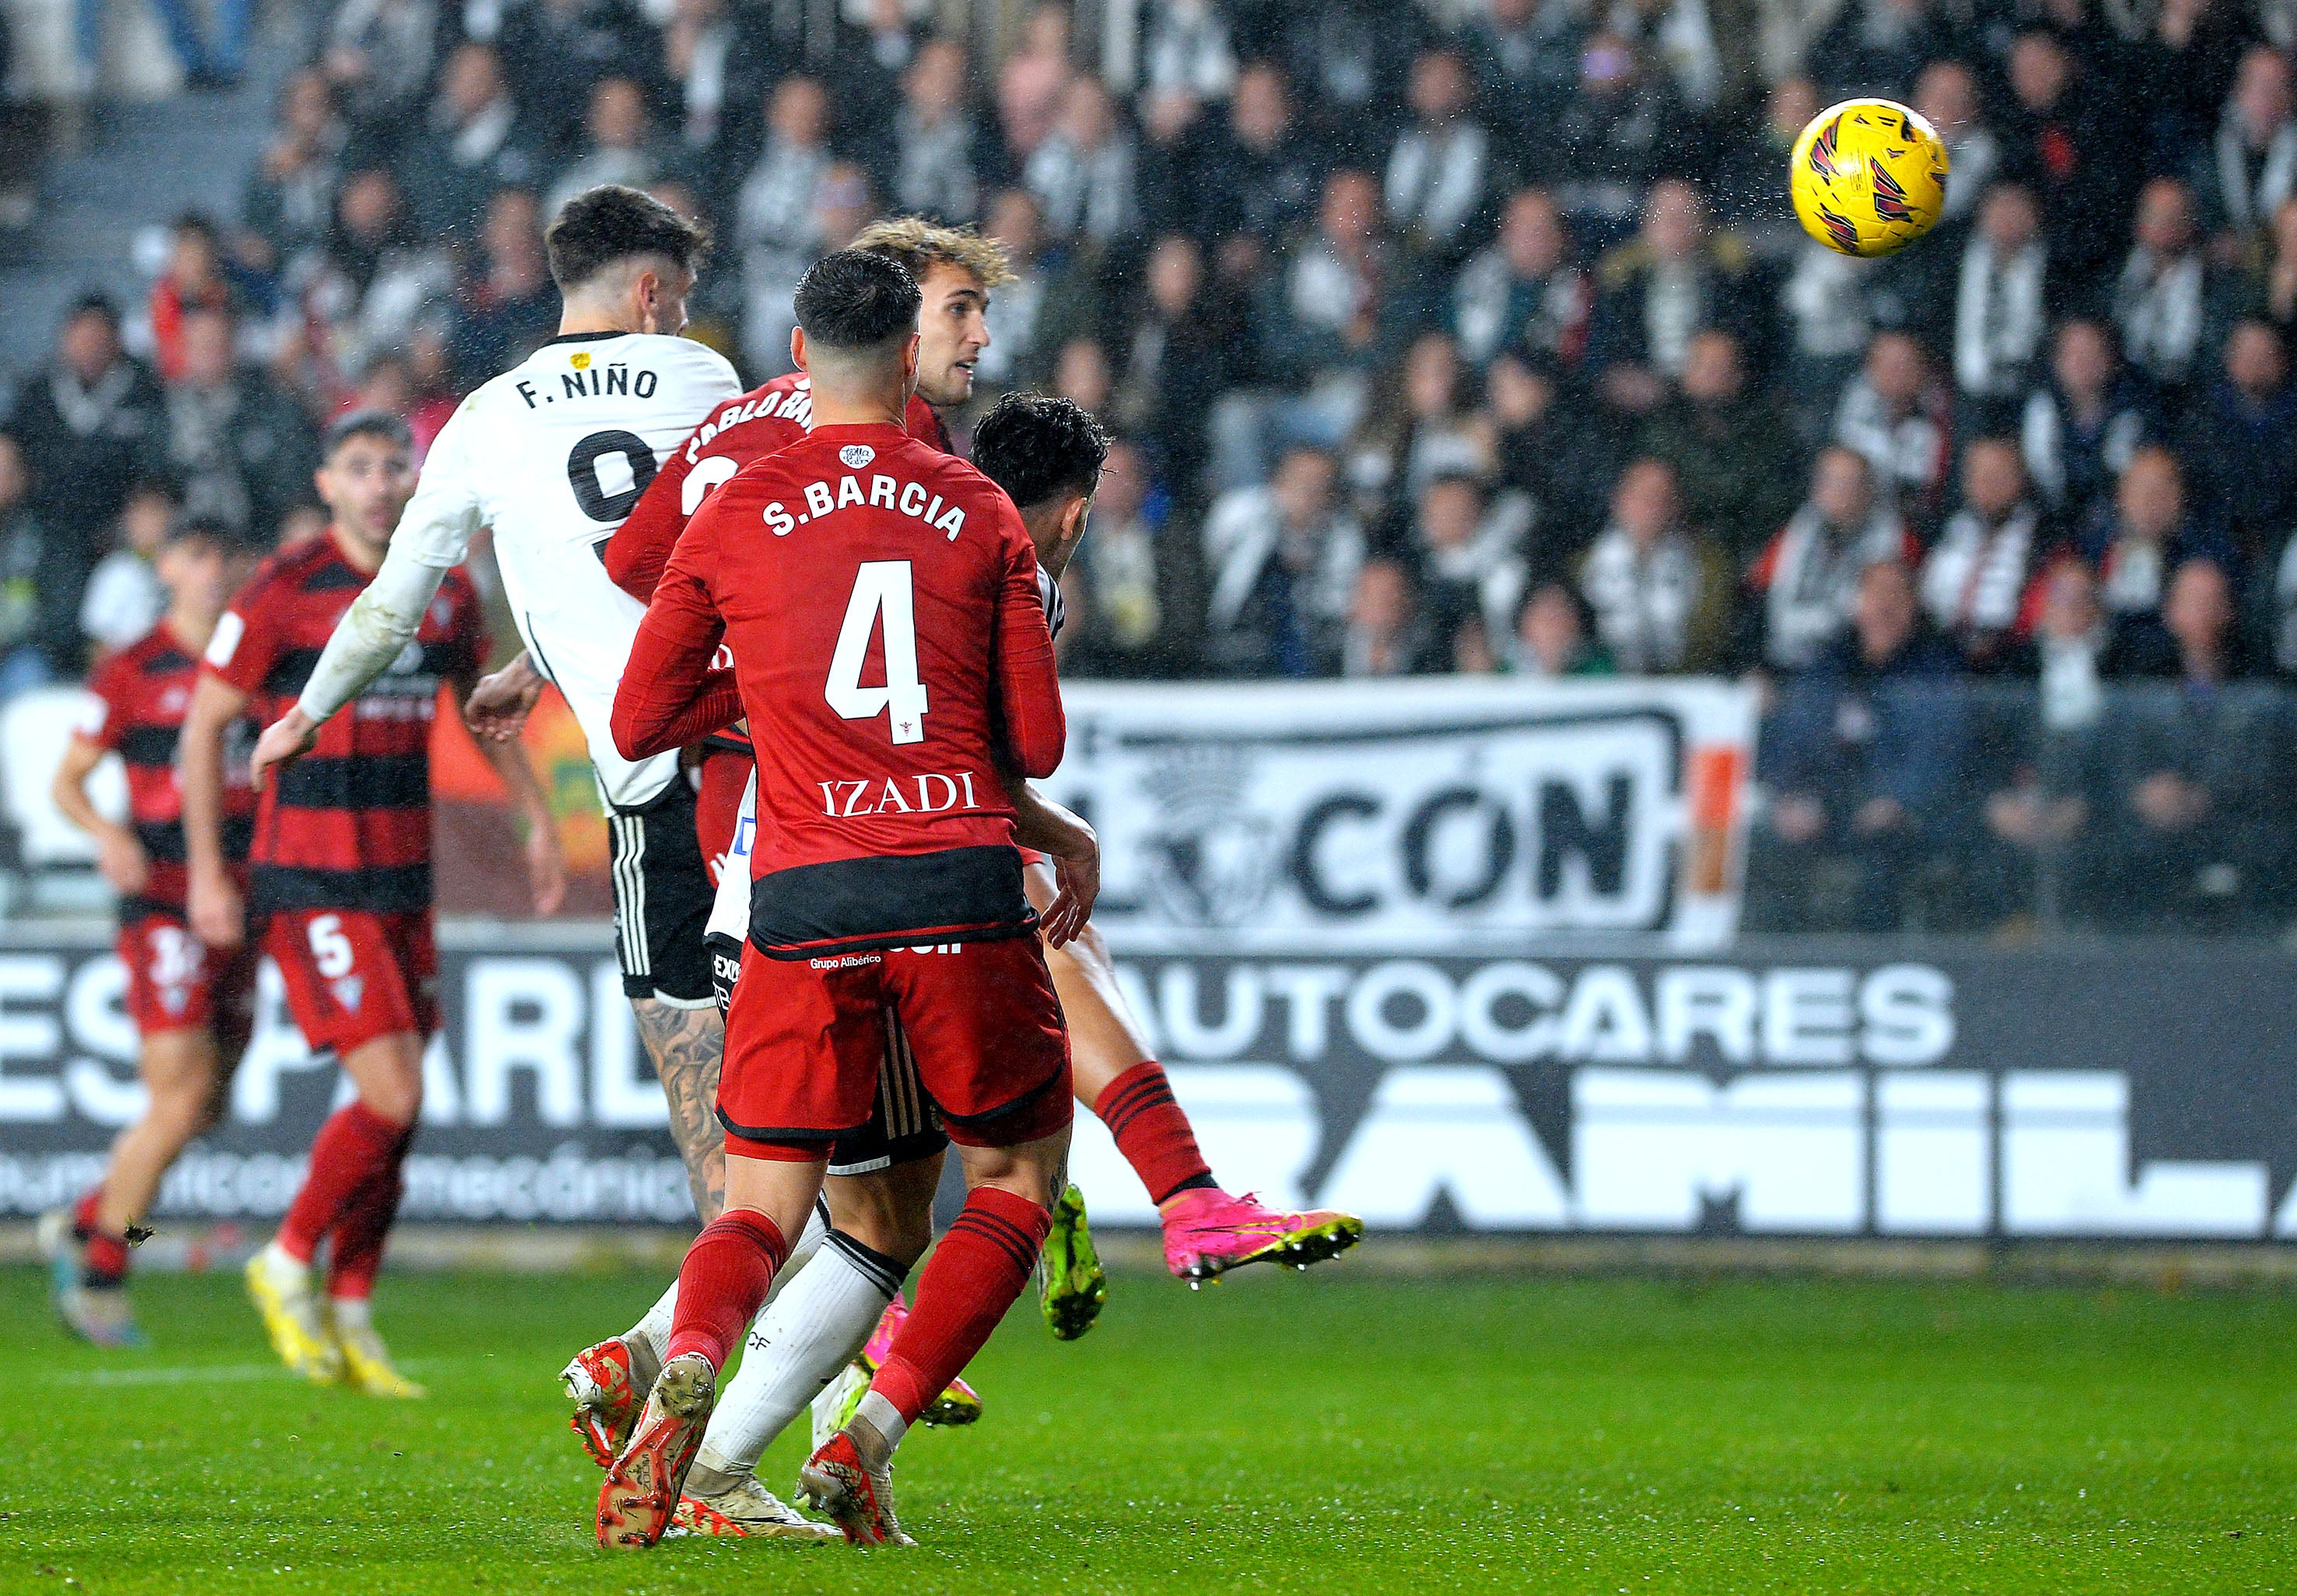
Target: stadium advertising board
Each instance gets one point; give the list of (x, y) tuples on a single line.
[(1369, 816), (1850, 1088)]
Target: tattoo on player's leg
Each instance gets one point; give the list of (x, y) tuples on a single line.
[(687, 1046)]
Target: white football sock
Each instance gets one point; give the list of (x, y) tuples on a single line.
[(796, 1347), (351, 1313), (287, 1274), (653, 1331)]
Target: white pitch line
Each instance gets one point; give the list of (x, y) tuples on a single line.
[(173, 1376), (187, 1374)]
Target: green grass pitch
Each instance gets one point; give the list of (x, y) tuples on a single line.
[(1339, 1431)]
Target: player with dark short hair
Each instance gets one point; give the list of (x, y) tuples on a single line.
[(339, 886), (192, 1006), (615, 226)]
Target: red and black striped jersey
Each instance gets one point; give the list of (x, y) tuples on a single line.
[(348, 826), (141, 694)]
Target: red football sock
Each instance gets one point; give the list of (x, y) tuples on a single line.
[(1151, 1131), (352, 1146), (723, 1283), (978, 1269), (103, 1259), (356, 1256)]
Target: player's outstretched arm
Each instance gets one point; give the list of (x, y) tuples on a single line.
[(213, 902)]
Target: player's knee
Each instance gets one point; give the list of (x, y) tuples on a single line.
[(872, 1209)]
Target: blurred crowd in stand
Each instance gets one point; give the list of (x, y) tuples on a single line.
[(1475, 338)]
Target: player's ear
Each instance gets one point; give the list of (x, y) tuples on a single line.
[(797, 348), (646, 290)]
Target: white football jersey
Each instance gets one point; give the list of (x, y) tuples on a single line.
[(553, 455)]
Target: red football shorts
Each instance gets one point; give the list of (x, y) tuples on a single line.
[(353, 976), (806, 1036), (176, 982), (718, 806)]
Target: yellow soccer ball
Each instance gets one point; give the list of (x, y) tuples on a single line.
[(1868, 176)]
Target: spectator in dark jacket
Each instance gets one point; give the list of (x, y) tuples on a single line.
[(1732, 450), (2244, 173), (475, 142), (42, 570), (2200, 774), (2082, 424), (2062, 139), (555, 51), (1653, 296), (2241, 438), (86, 423), (1862, 759), (2148, 534), (1270, 168), (244, 450)]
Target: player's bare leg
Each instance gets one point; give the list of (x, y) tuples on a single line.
[(354, 1161), (1208, 1231), (89, 1245), (688, 1048), (608, 1381), (981, 1265)]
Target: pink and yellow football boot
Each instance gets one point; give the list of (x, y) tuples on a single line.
[(1208, 1232), (957, 1404)]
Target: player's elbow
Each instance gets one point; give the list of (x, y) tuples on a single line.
[(639, 733), (1037, 749)]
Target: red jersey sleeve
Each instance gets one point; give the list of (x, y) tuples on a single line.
[(668, 695), (1028, 687), (101, 722), (246, 642), (639, 551)]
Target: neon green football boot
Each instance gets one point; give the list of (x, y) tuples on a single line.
[(1073, 1288)]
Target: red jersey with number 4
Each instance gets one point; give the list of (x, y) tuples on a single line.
[(141, 694), (880, 599), (348, 826), (764, 421)]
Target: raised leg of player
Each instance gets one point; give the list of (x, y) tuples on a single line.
[(720, 1288), (686, 1048), (1208, 1231), (981, 1265), (361, 1144)]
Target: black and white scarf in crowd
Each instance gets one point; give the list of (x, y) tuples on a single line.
[(2158, 306), (2248, 203), (1998, 319)]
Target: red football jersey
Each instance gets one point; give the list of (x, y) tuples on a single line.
[(142, 693), (766, 419), (348, 826), (887, 633)]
